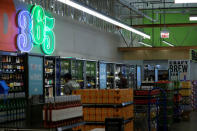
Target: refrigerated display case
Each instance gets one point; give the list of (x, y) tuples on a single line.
[(65, 65), (79, 73), (129, 72), (110, 75), (118, 69), (91, 74), (51, 76)]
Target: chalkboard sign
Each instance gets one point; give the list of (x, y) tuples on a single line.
[(35, 75), (179, 69), (103, 75)]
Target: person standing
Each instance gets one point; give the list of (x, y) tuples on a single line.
[(70, 84), (122, 82)]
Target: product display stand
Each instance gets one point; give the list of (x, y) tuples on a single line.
[(194, 96), (157, 109), (177, 102), (101, 104), (186, 102), (64, 113), (146, 107), (13, 105), (166, 111)]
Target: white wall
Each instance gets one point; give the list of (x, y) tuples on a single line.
[(74, 39)]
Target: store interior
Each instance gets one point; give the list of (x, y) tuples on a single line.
[(98, 65)]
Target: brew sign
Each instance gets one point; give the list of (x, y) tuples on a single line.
[(178, 69)]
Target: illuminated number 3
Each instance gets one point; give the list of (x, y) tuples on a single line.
[(24, 39), (42, 30)]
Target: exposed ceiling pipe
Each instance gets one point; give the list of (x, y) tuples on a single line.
[(125, 3), (176, 12), (164, 25), (124, 17)]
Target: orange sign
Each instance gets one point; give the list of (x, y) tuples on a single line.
[(8, 26)]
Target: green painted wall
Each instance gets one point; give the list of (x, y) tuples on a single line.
[(179, 36)]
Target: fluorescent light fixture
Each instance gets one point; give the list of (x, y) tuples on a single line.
[(144, 44), (193, 18), (185, 1), (167, 43), (103, 17)]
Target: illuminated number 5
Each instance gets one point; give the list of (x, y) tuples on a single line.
[(24, 39), (49, 43)]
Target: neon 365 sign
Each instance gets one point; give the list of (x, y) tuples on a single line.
[(36, 28)]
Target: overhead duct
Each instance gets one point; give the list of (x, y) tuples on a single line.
[(125, 3), (164, 25)]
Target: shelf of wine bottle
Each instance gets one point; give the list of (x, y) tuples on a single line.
[(12, 71), (14, 81), (12, 110)]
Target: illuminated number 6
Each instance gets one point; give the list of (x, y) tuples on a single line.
[(49, 43), (38, 16), (24, 39)]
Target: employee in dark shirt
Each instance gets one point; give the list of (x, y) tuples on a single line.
[(123, 81), (70, 84)]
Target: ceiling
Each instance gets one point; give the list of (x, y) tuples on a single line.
[(132, 12), (158, 4)]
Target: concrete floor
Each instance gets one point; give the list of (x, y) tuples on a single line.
[(190, 125)]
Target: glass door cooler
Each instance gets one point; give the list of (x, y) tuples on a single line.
[(51, 77), (91, 74), (65, 65), (79, 77), (118, 70), (110, 75)]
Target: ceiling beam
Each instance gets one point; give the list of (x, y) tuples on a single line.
[(164, 25), (167, 8), (128, 49)]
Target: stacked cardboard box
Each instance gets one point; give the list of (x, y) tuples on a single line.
[(99, 114), (111, 96), (101, 104)]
